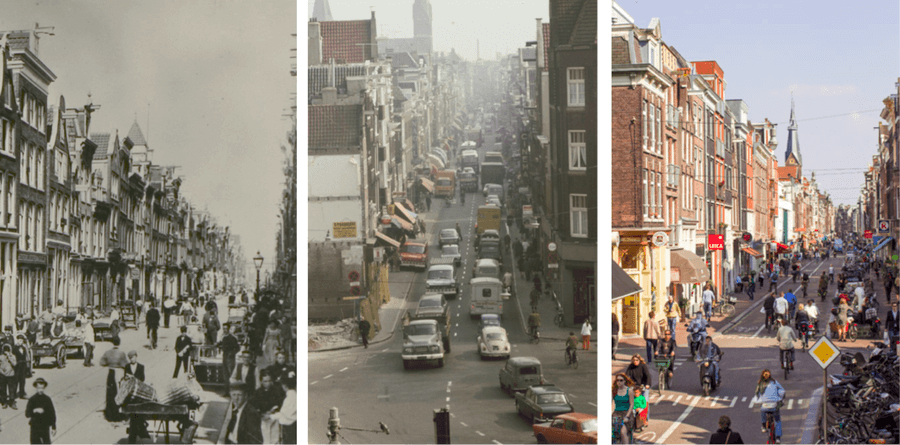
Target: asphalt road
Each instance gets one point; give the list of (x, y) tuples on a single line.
[(683, 415), (369, 386)]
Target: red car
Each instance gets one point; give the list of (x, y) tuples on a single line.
[(567, 428), (414, 254)]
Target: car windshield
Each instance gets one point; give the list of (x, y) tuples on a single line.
[(430, 303), (556, 399), (448, 233), (495, 336), (439, 274), (527, 370), (589, 425), (420, 329), (489, 248), (487, 271), (451, 250), (414, 248)]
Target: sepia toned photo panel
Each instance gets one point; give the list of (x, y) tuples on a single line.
[(452, 221), (148, 222), (754, 217)]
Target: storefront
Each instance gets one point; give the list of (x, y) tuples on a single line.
[(689, 272)]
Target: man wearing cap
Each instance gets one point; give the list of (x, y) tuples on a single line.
[(133, 367), (182, 351), (21, 354), (42, 414), (152, 321), (243, 423)]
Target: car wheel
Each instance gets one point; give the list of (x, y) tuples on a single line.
[(541, 439)]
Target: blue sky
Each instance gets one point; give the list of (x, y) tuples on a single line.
[(840, 60)]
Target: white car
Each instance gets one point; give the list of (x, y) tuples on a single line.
[(492, 189), (451, 251), (493, 200), (493, 342)]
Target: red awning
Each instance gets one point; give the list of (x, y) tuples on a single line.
[(783, 247), (752, 251)]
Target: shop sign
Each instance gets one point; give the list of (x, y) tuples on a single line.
[(632, 239), (676, 274), (716, 242), (344, 229)]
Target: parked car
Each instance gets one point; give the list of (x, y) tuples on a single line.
[(449, 236), (451, 251), (493, 342), (414, 254), (519, 373), (567, 428), (486, 267), (540, 403)]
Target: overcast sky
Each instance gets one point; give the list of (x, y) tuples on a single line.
[(841, 61), (500, 25), (215, 75)]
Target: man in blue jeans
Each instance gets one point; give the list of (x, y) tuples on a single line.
[(708, 298)]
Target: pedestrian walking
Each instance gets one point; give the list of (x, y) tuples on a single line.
[(364, 327), (586, 334), (673, 313), (182, 351), (115, 360), (211, 327), (773, 281), (738, 284), (724, 433), (230, 347), (187, 312), (88, 345), (708, 298), (615, 335), (271, 343), (21, 354), (42, 414), (168, 308), (751, 288), (8, 377), (428, 201), (152, 321), (651, 335)]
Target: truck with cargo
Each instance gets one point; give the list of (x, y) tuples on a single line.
[(493, 173), (445, 184), (469, 158), (433, 306), (468, 181), (422, 342), (494, 156), (488, 218)]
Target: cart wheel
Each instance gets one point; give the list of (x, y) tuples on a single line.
[(61, 356)]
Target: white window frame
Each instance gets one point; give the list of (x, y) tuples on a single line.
[(577, 150), (644, 134), (646, 190), (578, 215), (575, 86)]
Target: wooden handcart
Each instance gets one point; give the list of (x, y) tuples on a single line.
[(163, 414)]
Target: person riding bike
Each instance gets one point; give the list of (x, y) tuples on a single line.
[(768, 391), (786, 338), (571, 344), (792, 302), (781, 307), (813, 313), (830, 273), (534, 323), (667, 349), (805, 282), (801, 318), (769, 306), (711, 351), (535, 296)]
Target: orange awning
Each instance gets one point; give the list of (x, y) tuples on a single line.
[(386, 240), (801, 229), (752, 251), (427, 183)]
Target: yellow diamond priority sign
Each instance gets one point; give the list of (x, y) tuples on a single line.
[(824, 352)]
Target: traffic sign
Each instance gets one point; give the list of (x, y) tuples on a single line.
[(884, 225), (824, 352)]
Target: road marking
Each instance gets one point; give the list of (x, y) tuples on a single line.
[(758, 330), (313, 383), (705, 398), (589, 403), (674, 426), (743, 399), (753, 402), (660, 399), (677, 400), (328, 376), (457, 324), (714, 401), (572, 395), (479, 433), (449, 382), (385, 350), (733, 402), (448, 389), (454, 334), (343, 369), (790, 404), (448, 399), (464, 424), (453, 415)]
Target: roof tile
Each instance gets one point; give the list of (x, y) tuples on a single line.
[(335, 126), (102, 141), (347, 41)]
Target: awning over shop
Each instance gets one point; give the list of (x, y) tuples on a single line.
[(401, 224), (691, 269), (883, 243), (456, 126), (752, 251), (436, 161), (783, 247), (622, 284), (384, 240), (427, 183), (409, 216)]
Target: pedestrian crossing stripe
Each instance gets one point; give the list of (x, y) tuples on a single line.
[(721, 401)]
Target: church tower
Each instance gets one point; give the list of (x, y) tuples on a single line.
[(422, 25), (322, 12), (792, 154)]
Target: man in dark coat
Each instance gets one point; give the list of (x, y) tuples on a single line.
[(230, 347), (364, 327), (42, 414), (182, 351), (137, 426), (133, 367), (21, 366), (243, 423), (724, 434), (269, 395), (152, 320), (211, 326), (113, 359), (244, 372)]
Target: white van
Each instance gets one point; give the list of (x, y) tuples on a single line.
[(486, 296)]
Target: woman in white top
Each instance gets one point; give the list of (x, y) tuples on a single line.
[(287, 414), (586, 334)]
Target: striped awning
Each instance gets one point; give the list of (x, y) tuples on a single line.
[(752, 251), (401, 224), (427, 183), (409, 216), (384, 239)]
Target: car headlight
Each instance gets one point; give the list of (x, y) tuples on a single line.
[(407, 350), (435, 348)]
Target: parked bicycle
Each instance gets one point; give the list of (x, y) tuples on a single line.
[(725, 308)]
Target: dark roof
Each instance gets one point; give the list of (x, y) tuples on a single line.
[(620, 51), (136, 136), (403, 60), (335, 126), (102, 141), (574, 22), (347, 41), (585, 32)]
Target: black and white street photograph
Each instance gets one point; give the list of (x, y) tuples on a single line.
[(452, 221), (148, 219)]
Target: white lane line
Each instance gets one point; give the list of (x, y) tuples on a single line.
[(589, 403), (790, 404), (572, 395), (454, 334), (662, 439), (495, 441), (448, 389), (714, 401), (660, 399), (677, 400), (743, 399), (313, 383), (464, 424), (385, 350), (758, 331), (453, 415), (669, 396), (705, 398), (449, 382), (733, 402), (328, 376), (343, 369), (479, 433), (448, 399)]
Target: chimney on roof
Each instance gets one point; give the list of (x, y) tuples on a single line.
[(539, 48), (329, 93), (314, 32)]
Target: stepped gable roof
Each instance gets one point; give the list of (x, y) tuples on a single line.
[(102, 141), (136, 135)]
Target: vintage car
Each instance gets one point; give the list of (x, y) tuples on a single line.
[(540, 403), (492, 189), (452, 251), (486, 267), (493, 342), (449, 236), (493, 200), (414, 254), (567, 428), (488, 320), (519, 373)]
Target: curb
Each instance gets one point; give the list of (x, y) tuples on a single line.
[(813, 413)]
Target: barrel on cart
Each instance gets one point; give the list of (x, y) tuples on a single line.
[(209, 368)]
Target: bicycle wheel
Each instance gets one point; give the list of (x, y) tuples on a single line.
[(559, 320), (662, 381), (852, 333), (575, 361), (728, 309)]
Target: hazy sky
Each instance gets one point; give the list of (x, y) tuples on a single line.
[(500, 25), (216, 76), (840, 60)]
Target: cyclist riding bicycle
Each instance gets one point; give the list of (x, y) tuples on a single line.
[(769, 306), (792, 302), (813, 313), (801, 319), (535, 296), (571, 344), (769, 391), (786, 338), (667, 349), (534, 322), (831, 273), (781, 307)]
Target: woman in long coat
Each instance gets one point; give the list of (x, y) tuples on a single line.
[(271, 342)]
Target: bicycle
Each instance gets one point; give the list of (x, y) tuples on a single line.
[(572, 358), (786, 362), (535, 335), (559, 319), (617, 423), (770, 422), (723, 308), (662, 366), (770, 321)]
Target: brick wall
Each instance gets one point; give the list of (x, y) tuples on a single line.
[(626, 157)]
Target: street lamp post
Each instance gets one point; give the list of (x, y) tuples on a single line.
[(258, 262)]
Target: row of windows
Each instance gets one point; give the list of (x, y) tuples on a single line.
[(31, 218), (33, 111), (652, 193), (652, 127), (31, 165)]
